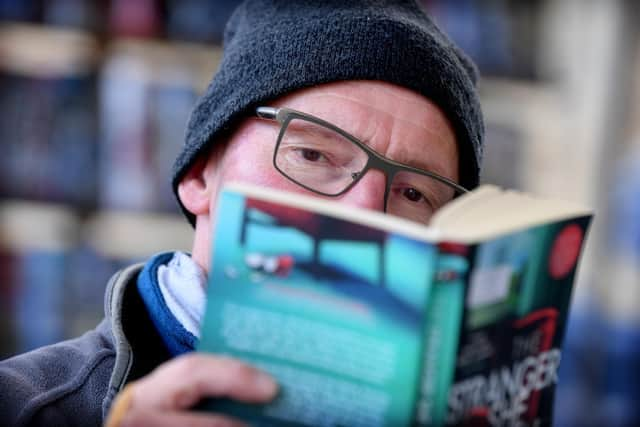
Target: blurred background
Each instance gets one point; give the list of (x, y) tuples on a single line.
[(95, 94)]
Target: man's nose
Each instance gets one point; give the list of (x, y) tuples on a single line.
[(368, 192)]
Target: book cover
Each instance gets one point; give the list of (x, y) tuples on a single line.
[(334, 310), (515, 316)]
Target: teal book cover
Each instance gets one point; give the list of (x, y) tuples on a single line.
[(444, 313), (334, 310)]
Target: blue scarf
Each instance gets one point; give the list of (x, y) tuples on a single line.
[(177, 339)]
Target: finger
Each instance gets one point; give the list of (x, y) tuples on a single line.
[(184, 381), (149, 418)]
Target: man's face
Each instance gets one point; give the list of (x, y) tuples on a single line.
[(394, 121)]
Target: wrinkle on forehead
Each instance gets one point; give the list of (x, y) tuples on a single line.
[(405, 133), (356, 91)]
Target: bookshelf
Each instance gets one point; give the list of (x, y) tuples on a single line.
[(90, 126)]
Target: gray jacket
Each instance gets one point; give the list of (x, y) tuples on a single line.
[(73, 383)]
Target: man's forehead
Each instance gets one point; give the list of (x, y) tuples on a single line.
[(407, 106), (393, 120)]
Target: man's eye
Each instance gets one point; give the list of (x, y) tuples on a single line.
[(412, 194), (310, 155)]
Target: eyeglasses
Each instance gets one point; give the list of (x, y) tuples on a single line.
[(326, 160)]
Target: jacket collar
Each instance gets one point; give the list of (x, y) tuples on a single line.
[(138, 346)]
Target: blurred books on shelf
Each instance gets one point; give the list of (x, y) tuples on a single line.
[(35, 241), (136, 236), (500, 36), (110, 241), (54, 266), (140, 18), (146, 93), (200, 21), (90, 135), (47, 114), (89, 128), (25, 10)]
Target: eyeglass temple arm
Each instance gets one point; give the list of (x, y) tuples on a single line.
[(267, 112)]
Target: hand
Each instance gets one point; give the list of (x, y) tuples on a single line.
[(163, 397)]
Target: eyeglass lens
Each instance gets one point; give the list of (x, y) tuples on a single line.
[(325, 161)]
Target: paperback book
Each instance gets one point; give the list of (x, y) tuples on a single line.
[(365, 319)]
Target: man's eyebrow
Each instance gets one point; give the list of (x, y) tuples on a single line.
[(422, 164), (406, 158), (302, 127)]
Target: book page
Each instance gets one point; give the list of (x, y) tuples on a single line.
[(490, 211)]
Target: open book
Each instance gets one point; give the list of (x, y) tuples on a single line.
[(365, 319)]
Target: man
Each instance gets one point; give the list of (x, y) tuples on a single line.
[(377, 73)]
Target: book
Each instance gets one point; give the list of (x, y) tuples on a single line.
[(365, 319)]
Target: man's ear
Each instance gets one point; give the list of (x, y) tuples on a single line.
[(196, 187)]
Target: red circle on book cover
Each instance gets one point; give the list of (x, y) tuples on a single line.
[(565, 251)]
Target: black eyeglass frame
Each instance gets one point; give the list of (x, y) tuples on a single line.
[(375, 160)]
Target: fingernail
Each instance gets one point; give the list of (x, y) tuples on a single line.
[(266, 384)]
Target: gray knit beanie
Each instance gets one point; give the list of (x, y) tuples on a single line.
[(273, 47)]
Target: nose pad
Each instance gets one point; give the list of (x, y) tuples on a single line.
[(368, 193)]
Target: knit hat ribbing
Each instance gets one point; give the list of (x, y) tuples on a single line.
[(274, 47)]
